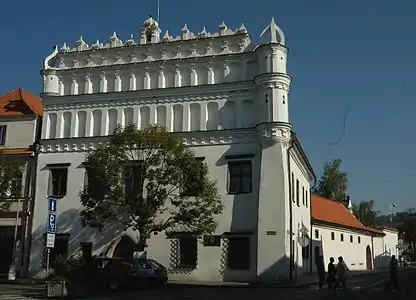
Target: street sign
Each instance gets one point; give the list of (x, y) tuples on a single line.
[(51, 227), (52, 205), (50, 240)]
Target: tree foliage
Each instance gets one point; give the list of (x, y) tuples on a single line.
[(149, 181), (333, 183), (408, 229), (365, 211), (10, 182)]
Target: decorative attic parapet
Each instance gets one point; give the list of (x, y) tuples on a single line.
[(150, 34)]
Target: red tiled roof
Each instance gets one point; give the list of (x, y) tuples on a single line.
[(15, 151), (333, 212), (18, 102)]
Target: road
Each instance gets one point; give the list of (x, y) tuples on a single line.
[(361, 287)]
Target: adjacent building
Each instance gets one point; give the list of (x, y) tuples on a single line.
[(20, 127), (337, 232), (222, 95)]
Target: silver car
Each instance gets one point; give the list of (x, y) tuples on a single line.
[(148, 272)]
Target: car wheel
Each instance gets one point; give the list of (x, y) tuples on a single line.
[(114, 284)]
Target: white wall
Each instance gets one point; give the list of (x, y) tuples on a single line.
[(20, 132), (301, 211), (354, 253), (239, 215)]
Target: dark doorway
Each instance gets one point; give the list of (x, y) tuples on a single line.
[(6, 247), (369, 258)]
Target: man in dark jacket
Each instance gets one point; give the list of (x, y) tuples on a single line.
[(331, 273), (393, 273)]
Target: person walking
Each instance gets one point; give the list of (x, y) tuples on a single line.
[(320, 267), (331, 273), (393, 273), (341, 274)]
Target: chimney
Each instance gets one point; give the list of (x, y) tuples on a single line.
[(349, 204)]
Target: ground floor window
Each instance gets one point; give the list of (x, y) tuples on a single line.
[(188, 252), (305, 252), (238, 257)]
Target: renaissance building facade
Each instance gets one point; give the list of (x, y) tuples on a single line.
[(220, 94)]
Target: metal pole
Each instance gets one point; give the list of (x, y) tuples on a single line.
[(48, 252), (391, 216)]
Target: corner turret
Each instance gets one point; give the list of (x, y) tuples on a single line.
[(150, 32), (50, 78)]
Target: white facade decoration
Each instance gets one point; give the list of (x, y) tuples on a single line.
[(221, 95)]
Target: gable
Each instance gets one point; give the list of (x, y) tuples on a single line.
[(20, 103)]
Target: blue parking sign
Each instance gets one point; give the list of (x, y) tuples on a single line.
[(51, 204), (51, 226)]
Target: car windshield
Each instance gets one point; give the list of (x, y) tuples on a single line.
[(156, 264)]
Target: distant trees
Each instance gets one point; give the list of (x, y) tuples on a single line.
[(365, 211), (333, 183), (408, 229)]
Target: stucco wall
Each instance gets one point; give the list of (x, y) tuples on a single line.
[(20, 132)]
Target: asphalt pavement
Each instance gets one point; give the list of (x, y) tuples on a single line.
[(360, 287)]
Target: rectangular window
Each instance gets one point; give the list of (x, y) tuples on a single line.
[(342, 237), (194, 186), (305, 252), (188, 252), (3, 130), (303, 195), (58, 180), (238, 257), (297, 193), (212, 240), (316, 233), (133, 178), (239, 177), (359, 240), (306, 198), (351, 239), (332, 236), (293, 188)]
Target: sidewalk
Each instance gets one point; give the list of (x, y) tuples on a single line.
[(302, 281)]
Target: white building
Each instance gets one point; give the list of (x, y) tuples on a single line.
[(222, 95), (337, 232)]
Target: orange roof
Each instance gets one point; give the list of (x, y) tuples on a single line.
[(15, 151), (333, 212), (20, 103)]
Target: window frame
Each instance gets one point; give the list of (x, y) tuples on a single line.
[(341, 237), (3, 134), (239, 163), (235, 263), (351, 239), (184, 264), (332, 236), (51, 188), (297, 193), (316, 233)]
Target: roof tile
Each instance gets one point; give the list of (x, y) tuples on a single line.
[(18, 102), (333, 212)]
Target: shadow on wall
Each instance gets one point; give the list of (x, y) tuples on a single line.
[(382, 261), (68, 222), (317, 249)]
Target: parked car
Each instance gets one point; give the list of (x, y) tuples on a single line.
[(148, 273)]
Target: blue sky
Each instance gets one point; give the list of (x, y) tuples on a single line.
[(355, 55)]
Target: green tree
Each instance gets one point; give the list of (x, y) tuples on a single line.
[(408, 229), (149, 181), (333, 183), (365, 211), (10, 182)]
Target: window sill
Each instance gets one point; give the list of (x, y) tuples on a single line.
[(238, 193)]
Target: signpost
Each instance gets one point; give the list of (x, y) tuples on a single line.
[(50, 230)]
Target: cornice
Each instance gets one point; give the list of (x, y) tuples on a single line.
[(274, 132), (192, 139), (153, 96)]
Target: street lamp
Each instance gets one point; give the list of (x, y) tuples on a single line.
[(391, 213)]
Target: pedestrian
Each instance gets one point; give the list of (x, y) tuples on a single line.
[(341, 274), (393, 273), (331, 273), (320, 267)]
